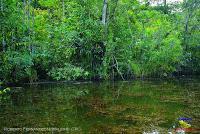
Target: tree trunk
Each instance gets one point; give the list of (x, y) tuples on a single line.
[(104, 12), (104, 20), (165, 3), (186, 30), (24, 3)]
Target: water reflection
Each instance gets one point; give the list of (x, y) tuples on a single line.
[(148, 107)]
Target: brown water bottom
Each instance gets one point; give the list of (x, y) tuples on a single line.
[(132, 107)]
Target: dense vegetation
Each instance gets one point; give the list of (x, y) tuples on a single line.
[(97, 39)]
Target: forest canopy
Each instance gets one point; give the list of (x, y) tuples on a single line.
[(97, 39)]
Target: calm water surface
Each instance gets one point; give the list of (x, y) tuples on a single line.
[(121, 107)]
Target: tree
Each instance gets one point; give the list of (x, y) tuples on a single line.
[(89, 39), (104, 11)]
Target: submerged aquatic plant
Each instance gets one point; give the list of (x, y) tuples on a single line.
[(154, 132), (184, 124), (2, 92), (5, 91)]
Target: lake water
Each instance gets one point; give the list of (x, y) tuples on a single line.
[(135, 107)]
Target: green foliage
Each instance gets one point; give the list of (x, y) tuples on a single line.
[(191, 34), (68, 72), (52, 39), (15, 65)]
